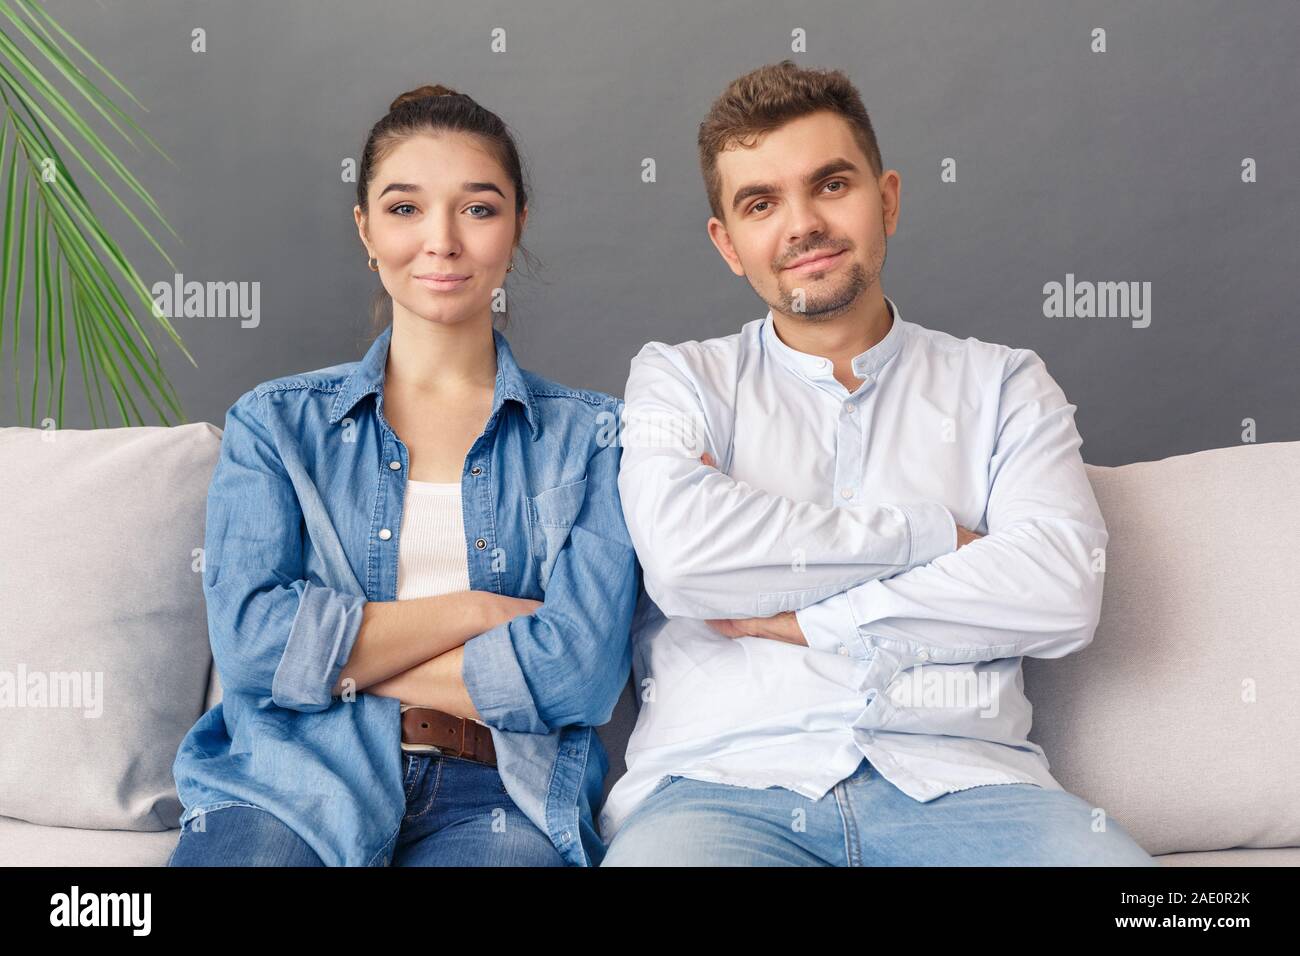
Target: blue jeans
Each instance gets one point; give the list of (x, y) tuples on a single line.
[(866, 821), (458, 813)]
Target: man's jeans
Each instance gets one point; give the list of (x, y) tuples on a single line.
[(457, 814), (867, 821)]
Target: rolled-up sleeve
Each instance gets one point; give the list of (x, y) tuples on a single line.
[(567, 662), (274, 633)]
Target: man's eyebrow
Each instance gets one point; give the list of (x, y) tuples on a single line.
[(821, 172), (465, 187)]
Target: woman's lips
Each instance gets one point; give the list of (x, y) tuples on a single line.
[(441, 285), (818, 265)]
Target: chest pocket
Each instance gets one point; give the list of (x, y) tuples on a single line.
[(550, 518)]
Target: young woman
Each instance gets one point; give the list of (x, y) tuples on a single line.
[(418, 580)]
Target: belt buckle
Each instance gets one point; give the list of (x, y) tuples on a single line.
[(435, 749), (422, 749)]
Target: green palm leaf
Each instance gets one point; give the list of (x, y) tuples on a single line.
[(69, 247)]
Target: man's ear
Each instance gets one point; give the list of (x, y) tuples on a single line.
[(890, 188), (722, 242)]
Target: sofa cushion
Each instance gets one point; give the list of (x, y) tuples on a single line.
[(27, 844), (104, 649), (1277, 856), (1181, 718)]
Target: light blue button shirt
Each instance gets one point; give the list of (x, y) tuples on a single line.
[(303, 528), (843, 507)]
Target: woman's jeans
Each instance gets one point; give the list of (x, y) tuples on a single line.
[(457, 814), (866, 821)]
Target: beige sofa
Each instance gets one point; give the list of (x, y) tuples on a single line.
[(1180, 719)]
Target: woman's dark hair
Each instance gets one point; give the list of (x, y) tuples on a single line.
[(436, 109)]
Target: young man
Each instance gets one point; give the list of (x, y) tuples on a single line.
[(830, 671)]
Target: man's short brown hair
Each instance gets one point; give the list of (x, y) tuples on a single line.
[(769, 97)]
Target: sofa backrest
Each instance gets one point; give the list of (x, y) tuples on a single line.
[(101, 538), (1181, 717)]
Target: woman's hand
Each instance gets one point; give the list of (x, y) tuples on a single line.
[(499, 608), (436, 683)]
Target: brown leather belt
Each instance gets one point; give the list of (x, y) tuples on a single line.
[(453, 736)]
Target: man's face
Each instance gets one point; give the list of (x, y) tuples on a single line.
[(805, 189)]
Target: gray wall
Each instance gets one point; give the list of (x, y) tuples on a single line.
[(1115, 166)]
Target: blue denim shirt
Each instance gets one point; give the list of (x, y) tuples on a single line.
[(303, 518)]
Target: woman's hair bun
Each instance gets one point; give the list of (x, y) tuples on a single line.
[(421, 93)]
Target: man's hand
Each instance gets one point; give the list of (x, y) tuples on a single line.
[(780, 627)]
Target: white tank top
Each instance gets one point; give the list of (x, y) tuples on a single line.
[(431, 556)]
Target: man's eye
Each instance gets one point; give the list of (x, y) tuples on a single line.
[(754, 208), (836, 182)]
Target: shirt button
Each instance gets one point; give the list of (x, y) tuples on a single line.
[(566, 836), (844, 650), (923, 655), (476, 471), (480, 544), (395, 465), (846, 492), (384, 534)]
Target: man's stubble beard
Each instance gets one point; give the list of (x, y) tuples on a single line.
[(835, 302)]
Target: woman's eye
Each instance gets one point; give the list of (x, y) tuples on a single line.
[(489, 211), (400, 206)]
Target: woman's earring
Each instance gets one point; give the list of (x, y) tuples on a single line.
[(373, 263), (510, 267)]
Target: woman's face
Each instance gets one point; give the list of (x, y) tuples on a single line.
[(442, 226)]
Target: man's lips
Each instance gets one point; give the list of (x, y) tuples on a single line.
[(824, 261)]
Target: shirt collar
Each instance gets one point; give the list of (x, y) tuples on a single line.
[(368, 378), (816, 367)]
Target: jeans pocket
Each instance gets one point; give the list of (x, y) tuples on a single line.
[(664, 782), (425, 791)]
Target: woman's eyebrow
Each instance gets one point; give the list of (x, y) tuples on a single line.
[(465, 187)]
